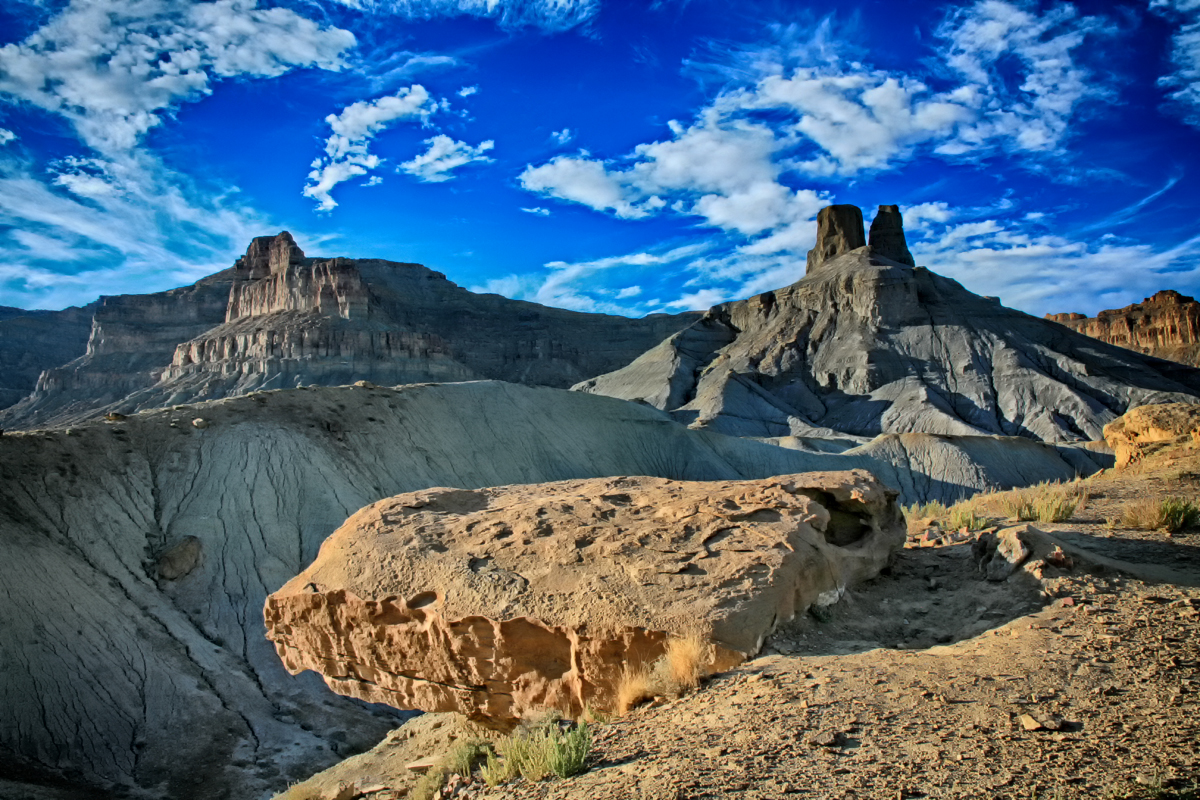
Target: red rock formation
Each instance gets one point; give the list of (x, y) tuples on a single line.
[(1165, 325)]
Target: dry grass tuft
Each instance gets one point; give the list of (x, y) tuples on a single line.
[(1170, 513), (685, 660), (633, 689)]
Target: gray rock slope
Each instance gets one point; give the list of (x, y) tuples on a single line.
[(278, 319), (137, 556), (864, 345), (33, 341)]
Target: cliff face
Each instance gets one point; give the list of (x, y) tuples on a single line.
[(1165, 325), (34, 341), (280, 319), (864, 345)]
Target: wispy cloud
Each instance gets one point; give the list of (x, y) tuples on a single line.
[(550, 15), (113, 68), (443, 156), (1184, 81), (803, 111)]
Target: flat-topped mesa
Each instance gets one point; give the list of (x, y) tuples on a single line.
[(1164, 325), (839, 230), (887, 236), (276, 276)]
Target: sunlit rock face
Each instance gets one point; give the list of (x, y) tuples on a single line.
[(497, 603), (1166, 325)]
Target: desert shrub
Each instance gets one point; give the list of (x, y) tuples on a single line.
[(569, 750), (460, 759), (1172, 513), (1058, 503), (966, 515), (932, 510), (538, 752), (1017, 504)]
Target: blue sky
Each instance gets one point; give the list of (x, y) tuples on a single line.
[(626, 157)]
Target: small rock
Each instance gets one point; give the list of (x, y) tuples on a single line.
[(1057, 558), (343, 791), (1030, 724), (422, 764), (828, 738), (365, 385), (200, 422)]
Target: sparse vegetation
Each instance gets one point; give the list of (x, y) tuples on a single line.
[(460, 760), (678, 671), (536, 752), (1170, 513), (965, 515)]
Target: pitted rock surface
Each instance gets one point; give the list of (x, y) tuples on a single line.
[(1144, 429), (497, 602)]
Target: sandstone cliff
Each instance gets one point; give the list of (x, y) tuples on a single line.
[(864, 345), (1164, 325), (138, 554), (280, 319)]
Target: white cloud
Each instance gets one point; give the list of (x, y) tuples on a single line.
[(804, 111), (346, 150), (467, 91), (6, 136), (629, 291), (538, 210), (562, 138), (1185, 55), (1041, 273), (113, 68), (126, 225), (444, 156), (551, 15)]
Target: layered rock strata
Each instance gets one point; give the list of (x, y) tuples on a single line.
[(839, 230), (498, 603), (279, 319), (1165, 325), (864, 345)]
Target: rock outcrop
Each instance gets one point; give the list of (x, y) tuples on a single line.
[(839, 230), (887, 236), (1164, 325), (864, 345), (138, 554), (279, 319), (34, 341), (1147, 429), (499, 602)]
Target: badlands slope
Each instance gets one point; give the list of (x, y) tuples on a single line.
[(138, 554)]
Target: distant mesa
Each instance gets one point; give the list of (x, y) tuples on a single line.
[(1164, 325)]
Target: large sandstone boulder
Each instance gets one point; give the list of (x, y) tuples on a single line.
[(1145, 429), (498, 602)]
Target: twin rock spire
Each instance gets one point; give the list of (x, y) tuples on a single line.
[(840, 230)]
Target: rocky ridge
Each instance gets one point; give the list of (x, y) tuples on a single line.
[(864, 345), (34, 341), (1164, 325), (280, 319), (502, 603)]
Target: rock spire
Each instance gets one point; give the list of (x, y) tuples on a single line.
[(839, 230), (887, 236), (269, 255)]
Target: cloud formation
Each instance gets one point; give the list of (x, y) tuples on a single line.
[(805, 112), (1185, 56), (346, 150), (443, 157), (549, 15), (113, 68), (6, 136)]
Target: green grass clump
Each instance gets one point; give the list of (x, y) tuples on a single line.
[(538, 753), (1170, 513), (966, 515)]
